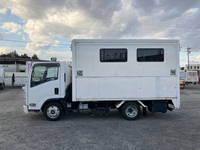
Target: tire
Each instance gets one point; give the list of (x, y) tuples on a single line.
[(130, 111), (53, 111), (144, 111), (1, 86), (4, 85)]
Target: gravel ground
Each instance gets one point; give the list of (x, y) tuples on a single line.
[(177, 130)]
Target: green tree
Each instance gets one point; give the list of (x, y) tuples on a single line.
[(10, 54), (35, 57), (24, 56)]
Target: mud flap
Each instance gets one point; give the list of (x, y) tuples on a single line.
[(159, 106)]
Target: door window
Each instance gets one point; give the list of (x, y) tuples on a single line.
[(52, 73), (43, 73)]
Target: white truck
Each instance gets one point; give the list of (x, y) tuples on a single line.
[(127, 75), (2, 78), (191, 77)]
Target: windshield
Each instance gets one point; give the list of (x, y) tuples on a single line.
[(43, 73)]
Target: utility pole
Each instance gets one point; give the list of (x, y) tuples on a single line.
[(188, 55)]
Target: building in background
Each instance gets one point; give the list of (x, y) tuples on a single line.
[(13, 64), (18, 67), (193, 66)]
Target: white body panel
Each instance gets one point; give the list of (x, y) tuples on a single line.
[(129, 80), (21, 78), (2, 75), (192, 76)]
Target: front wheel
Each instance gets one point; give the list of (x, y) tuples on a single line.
[(130, 111), (1, 86), (53, 111), (4, 85)]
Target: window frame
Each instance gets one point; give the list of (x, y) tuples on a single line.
[(102, 50), (162, 49), (47, 65)]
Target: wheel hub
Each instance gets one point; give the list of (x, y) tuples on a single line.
[(131, 111), (53, 112)]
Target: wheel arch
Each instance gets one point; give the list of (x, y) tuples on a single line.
[(121, 103), (60, 101)]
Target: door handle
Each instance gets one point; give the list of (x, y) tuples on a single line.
[(56, 91), (64, 77)]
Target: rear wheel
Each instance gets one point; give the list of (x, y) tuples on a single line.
[(53, 111), (1, 86), (130, 111), (4, 85)]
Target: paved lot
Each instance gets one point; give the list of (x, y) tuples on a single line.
[(177, 130)]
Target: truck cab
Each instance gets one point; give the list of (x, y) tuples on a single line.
[(47, 81)]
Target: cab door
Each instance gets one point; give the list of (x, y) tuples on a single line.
[(44, 84)]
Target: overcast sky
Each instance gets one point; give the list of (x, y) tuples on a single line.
[(46, 27)]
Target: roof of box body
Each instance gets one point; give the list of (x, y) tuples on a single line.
[(129, 41)]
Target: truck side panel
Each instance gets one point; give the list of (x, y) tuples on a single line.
[(122, 88), (94, 80)]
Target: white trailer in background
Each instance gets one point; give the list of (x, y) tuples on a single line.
[(108, 74), (191, 77), (2, 78)]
